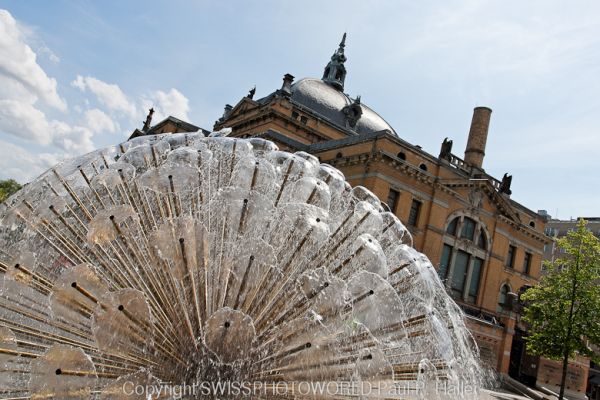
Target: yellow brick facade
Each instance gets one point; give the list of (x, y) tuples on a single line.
[(445, 187)]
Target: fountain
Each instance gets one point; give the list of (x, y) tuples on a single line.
[(180, 266)]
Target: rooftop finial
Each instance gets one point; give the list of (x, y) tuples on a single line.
[(335, 72), (251, 93), (148, 120)]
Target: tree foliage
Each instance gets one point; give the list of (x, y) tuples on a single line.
[(7, 188), (563, 311)]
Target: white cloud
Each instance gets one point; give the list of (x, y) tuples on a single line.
[(98, 121), (172, 103), (10, 88), (19, 63), (27, 93), (109, 95), (74, 139), (47, 52), (23, 165), (23, 83), (25, 121)]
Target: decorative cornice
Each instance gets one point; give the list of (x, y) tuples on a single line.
[(527, 230)]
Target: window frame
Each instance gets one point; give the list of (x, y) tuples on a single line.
[(414, 213), (443, 270), (454, 224), (476, 262), (471, 222), (510, 256), (501, 303), (482, 240), (396, 197), (527, 263), (479, 273)]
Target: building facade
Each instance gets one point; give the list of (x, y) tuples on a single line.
[(486, 246)]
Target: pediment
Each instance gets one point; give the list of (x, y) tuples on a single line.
[(242, 107), (481, 193)]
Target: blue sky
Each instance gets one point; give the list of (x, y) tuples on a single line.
[(78, 75)]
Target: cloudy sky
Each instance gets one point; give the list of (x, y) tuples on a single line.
[(78, 75)]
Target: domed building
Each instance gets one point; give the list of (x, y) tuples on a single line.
[(320, 106), (486, 246)]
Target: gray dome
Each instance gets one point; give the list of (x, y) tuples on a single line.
[(329, 103)]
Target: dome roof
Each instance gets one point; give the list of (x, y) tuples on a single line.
[(329, 103)]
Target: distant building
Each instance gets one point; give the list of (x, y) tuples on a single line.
[(557, 228), (167, 125)]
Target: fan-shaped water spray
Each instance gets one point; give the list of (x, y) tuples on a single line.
[(198, 265)]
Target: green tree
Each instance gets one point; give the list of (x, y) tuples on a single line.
[(7, 188), (563, 311)]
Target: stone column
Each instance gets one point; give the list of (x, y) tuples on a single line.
[(506, 345)]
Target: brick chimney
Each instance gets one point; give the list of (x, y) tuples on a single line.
[(478, 136)]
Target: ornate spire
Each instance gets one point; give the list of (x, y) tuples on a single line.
[(343, 42), (335, 72)]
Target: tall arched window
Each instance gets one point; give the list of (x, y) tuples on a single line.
[(463, 255), (503, 299)]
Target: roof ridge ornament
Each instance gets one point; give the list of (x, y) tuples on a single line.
[(343, 42), (335, 71), (148, 121), (353, 112), (251, 93)]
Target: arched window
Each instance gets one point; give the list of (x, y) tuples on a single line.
[(464, 253), (423, 167), (339, 155), (503, 300), (482, 240), (451, 229), (402, 156)]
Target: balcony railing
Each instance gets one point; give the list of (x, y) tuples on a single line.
[(463, 166), (460, 164)]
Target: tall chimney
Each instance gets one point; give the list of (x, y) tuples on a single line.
[(478, 136)]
